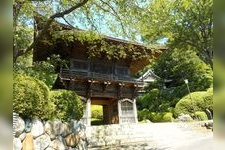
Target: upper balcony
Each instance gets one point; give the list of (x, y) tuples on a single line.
[(79, 74)]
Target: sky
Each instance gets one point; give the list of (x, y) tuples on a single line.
[(102, 22)]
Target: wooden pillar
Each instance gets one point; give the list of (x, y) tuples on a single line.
[(135, 111), (88, 102), (119, 111)]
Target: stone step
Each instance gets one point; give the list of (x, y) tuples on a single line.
[(122, 134), (119, 140)]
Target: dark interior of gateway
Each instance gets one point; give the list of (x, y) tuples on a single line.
[(104, 111)]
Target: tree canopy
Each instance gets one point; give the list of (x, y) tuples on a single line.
[(184, 23), (173, 67), (88, 14), (177, 65)]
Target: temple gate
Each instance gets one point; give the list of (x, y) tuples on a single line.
[(98, 79)]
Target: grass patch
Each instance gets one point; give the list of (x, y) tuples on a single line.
[(96, 121)]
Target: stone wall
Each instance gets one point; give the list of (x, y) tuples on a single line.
[(48, 135)]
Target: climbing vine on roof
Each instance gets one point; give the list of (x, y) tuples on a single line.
[(98, 46)]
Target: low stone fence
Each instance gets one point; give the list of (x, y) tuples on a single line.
[(48, 135)]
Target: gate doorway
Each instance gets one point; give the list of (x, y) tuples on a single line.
[(107, 110), (96, 114)]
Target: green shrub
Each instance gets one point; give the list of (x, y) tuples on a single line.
[(31, 98), (201, 115), (157, 100), (161, 117), (150, 100), (41, 70), (167, 117), (155, 116), (199, 101), (96, 111), (143, 114), (67, 105)]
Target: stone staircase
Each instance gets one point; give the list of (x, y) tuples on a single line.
[(154, 134)]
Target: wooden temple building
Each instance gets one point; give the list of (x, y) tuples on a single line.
[(99, 80)]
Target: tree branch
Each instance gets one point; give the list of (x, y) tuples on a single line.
[(90, 18), (115, 14), (61, 14), (16, 9), (67, 22), (47, 25)]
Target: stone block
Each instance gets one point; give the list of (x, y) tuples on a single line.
[(57, 124), (56, 144), (72, 140), (22, 136), (65, 129), (37, 128), (28, 142), (19, 126), (48, 128), (42, 142), (17, 144)]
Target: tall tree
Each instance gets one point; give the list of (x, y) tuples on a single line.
[(185, 24), (177, 65), (89, 14)]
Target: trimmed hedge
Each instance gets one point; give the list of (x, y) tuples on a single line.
[(155, 116), (31, 98), (200, 102), (161, 117), (67, 105), (201, 115)]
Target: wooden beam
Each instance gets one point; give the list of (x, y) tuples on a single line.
[(105, 84)]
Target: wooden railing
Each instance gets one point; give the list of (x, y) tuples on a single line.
[(67, 73)]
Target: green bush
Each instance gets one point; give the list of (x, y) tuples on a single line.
[(42, 70), (199, 101), (155, 116), (167, 117), (143, 114), (201, 115), (67, 105), (96, 111), (149, 100), (153, 101), (161, 117), (31, 98)]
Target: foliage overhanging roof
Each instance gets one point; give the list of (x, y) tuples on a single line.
[(97, 46)]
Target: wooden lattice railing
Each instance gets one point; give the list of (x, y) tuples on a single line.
[(68, 73)]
